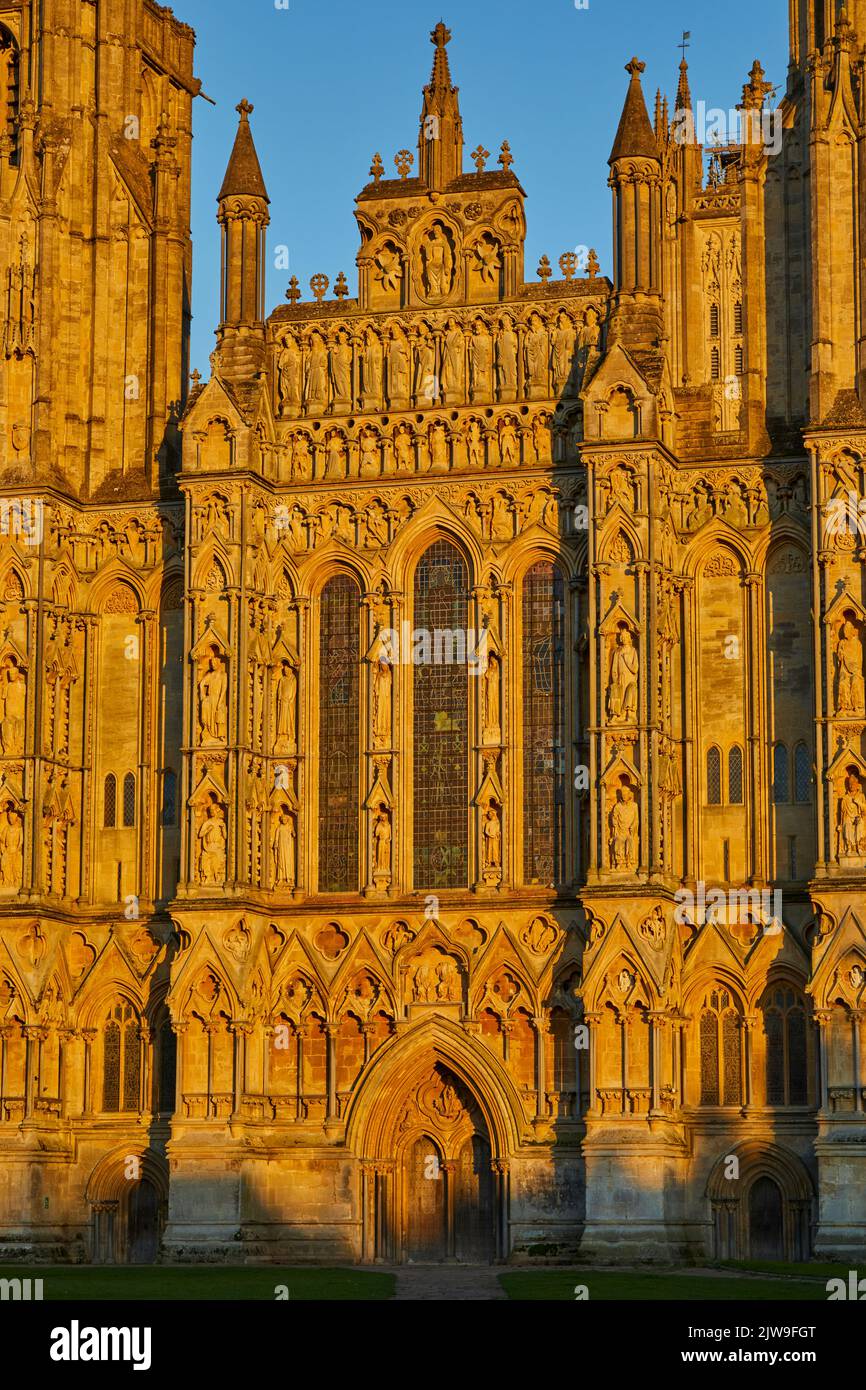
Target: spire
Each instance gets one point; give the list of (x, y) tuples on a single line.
[(684, 95), (440, 139), (244, 175), (635, 134)]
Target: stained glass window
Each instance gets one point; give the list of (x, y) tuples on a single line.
[(339, 676), (129, 799), (735, 776), (775, 1045), (121, 1066), (786, 1048), (111, 1068), (109, 802), (714, 777), (440, 722), (709, 1059), (720, 1043), (167, 1067), (543, 726)]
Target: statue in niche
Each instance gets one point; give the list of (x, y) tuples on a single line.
[(453, 356), (398, 367), (506, 359), (439, 447), (848, 657), (289, 375), (212, 845), (426, 386), (317, 374), (372, 363), (624, 824), (13, 703), (286, 709), (11, 845), (382, 695), (212, 687), (491, 833), (382, 843), (622, 682), (852, 818), (541, 436), (438, 263), (341, 367), (508, 445), (404, 449), (491, 697), (588, 342), (474, 456), (335, 455), (535, 349), (480, 353), (562, 357), (370, 454), (300, 461), (447, 981), (283, 849)]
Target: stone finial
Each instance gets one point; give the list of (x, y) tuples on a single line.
[(635, 68), (480, 157), (404, 159), (293, 293), (341, 288), (756, 89), (506, 158), (319, 285), (544, 271), (592, 264), (568, 264), (377, 168), (245, 109), (195, 378)]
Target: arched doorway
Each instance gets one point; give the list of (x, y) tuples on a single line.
[(142, 1223), (445, 1194), (128, 1197), (766, 1225)]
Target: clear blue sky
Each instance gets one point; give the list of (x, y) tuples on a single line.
[(332, 82)]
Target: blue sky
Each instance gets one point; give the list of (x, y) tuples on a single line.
[(333, 81)]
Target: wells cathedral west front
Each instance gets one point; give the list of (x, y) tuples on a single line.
[(433, 748)]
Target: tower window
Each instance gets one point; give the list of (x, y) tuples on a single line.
[(738, 319), (802, 775), (129, 799), (9, 80), (781, 790), (716, 364), (735, 776), (714, 777), (714, 320), (169, 797), (739, 360), (109, 802)]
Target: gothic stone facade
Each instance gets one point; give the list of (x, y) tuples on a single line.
[(432, 750)]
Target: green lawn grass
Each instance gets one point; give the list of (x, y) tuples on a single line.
[(558, 1285), (805, 1269), (182, 1283)]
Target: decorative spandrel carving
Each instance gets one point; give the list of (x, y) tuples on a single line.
[(434, 978)]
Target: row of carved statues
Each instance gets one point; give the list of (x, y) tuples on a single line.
[(458, 361)]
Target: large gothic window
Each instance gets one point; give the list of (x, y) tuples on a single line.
[(440, 724), (721, 1080), (121, 1067), (543, 726), (785, 1035), (9, 79), (339, 679)]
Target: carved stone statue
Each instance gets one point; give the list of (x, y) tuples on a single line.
[(508, 445), (316, 394), (382, 844), (439, 447), (506, 360), (491, 698), (480, 354), (13, 704), (283, 849), (372, 364), (212, 846), (624, 824), (622, 683), (491, 831), (474, 457), (453, 362), (382, 687), (404, 450), (852, 818), (341, 368), (212, 688), (848, 657), (588, 342), (398, 368), (286, 709), (447, 980), (335, 455), (425, 384), (300, 462), (563, 352), (289, 381), (535, 349), (438, 263), (11, 845)]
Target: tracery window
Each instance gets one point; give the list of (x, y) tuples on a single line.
[(781, 792), (802, 775), (735, 776), (121, 1059), (543, 725), (714, 777), (109, 802), (9, 79), (786, 1049), (129, 800), (339, 734), (169, 797), (721, 1080), (440, 722)]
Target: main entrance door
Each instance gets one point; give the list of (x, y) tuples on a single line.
[(446, 1197), (766, 1232)]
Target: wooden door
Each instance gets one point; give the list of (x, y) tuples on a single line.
[(426, 1205), (766, 1231), (473, 1203)]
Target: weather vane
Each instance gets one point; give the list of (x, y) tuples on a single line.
[(687, 33)]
